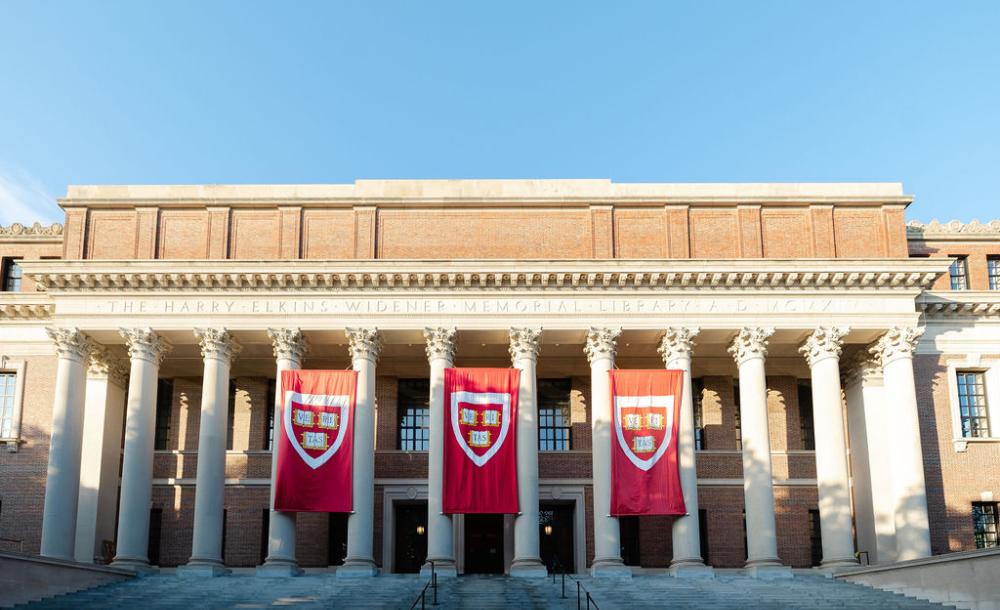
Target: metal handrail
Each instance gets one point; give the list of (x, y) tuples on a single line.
[(587, 597), (422, 597)]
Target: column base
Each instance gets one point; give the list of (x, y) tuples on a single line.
[(835, 566), (610, 568), (357, 568), (141, 567), (767, 569), (528, 568), (202, 569), (691, 569), (444, 568), (278, 569)]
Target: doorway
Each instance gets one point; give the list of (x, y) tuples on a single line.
[(336, 540), (483, 544), (411, 536), (556, 535)]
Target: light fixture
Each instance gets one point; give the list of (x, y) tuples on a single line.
[(548, 530), (420, 530)]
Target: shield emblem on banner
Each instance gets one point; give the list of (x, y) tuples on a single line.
[(315, 424), (480, 421), (643, 425)]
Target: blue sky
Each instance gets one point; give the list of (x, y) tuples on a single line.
[(284, 92)]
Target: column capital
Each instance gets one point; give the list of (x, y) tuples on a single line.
[(898, 342), (824, 342), (217, 343), (524, 343), (751, 342), (364, 343), (70, 343), (861, 367), (601, 343), (288, 343), (440, 342), (677, 342), (105, 365), (145, 344)]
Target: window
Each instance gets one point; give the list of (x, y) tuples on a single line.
[(414, 414), (972, 404), (985, 524), (8, 387), (164, 409), (11, 275), (993, 270), (272, 390), (806, 429), (554, 426), (737, 421), (231, 416), (959, 273), (697, 389)]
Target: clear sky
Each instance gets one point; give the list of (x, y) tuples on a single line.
[(329, 92)]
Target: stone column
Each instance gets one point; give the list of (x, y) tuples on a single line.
[(289, 347), (895, 349), (749, 349), (62, 481), (218, 348), (600, 350), (146, 349), (107, 379), (527, 562), (676, 347), (440, 538), (365, 347), (822, 351)]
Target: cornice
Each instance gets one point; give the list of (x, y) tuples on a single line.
[(25, 306), (954, 230), (960, 304), (36, 232), (354, 275)]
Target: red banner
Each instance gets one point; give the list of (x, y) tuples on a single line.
[(315, 441), (645, 413), (480, 440)]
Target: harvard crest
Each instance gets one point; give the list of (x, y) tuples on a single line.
[(480, 422), (643, 425), (315, 424)]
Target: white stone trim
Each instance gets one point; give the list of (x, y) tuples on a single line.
[(405, 275), (18, 367), (990, 367)]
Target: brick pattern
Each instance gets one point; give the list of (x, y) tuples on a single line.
[(976, 252)]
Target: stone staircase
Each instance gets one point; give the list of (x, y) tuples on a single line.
[(323, 590)]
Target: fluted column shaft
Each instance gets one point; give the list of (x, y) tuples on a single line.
[(365, 347), (822, 351), (527, 562), (62, 481), (440, 538), (218, 348), (600, 349), (676, 349), (289, 347), (749, 349), (895, 349), (146, 350)]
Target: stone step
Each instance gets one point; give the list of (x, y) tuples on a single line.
[(168, 592)]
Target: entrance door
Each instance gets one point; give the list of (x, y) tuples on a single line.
[(411, 536), (484, 544), (556, 536), (336, 542)]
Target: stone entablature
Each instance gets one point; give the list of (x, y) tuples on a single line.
[(538, 219), (35, 232), (954, 230)]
